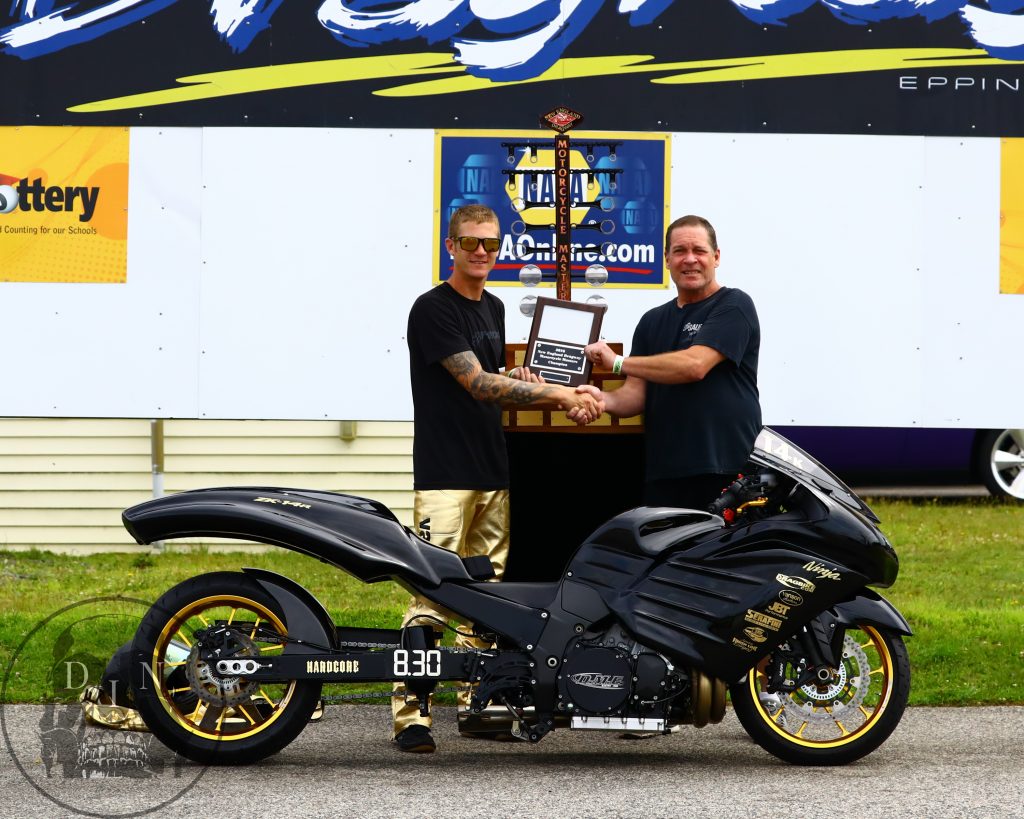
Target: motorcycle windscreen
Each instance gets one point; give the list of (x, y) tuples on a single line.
[(780, 453)]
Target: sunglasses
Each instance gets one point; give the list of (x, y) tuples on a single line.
[(471, 243)]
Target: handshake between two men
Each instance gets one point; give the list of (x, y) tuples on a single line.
[(586, 403)]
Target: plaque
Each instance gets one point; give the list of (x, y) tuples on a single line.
[(560, 331)]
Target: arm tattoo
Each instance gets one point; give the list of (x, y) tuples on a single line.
[(484, 386), (461, 365)]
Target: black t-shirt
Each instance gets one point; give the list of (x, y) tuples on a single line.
[(707, 426), (459, 442)]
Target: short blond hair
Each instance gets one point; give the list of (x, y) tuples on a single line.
[(471, 213)]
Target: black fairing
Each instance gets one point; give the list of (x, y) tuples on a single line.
[(360, 536), (722, 597)]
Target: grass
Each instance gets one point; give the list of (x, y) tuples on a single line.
[(961, 587)]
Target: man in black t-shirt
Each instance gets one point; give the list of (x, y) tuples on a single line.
[(456, 339), (692, 370)]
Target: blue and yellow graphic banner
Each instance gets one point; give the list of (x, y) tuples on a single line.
[(619, 202), (932, 67)]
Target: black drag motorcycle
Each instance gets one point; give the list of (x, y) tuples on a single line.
[(657, 615)]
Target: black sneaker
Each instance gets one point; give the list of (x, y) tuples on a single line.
[(416, 739)]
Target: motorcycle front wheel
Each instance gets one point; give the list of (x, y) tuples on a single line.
[(201, 715), (836, 721)]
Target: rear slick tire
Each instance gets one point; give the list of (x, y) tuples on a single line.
[(206, 718), (838, 723)]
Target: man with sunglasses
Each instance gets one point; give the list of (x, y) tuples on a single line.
[(456, 338)]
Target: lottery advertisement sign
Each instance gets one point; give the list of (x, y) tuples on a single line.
[(618, 193), (63, 204)]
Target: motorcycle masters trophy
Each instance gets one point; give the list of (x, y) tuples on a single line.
[(560, 191), (561, 327)]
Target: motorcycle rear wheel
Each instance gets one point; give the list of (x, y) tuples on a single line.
[(837, 723), (204, 717)]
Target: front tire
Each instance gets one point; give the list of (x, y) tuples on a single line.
[(200, 715), (834, 723)]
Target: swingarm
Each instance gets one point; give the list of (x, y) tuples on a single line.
[(380, 665), (362, 655)]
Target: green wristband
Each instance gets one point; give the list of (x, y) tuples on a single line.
[(617, 366)]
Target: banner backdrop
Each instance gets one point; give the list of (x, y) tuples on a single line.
[(620, 202), (63, 204), (925, 67)]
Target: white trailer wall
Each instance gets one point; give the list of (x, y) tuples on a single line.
[(270, 272)]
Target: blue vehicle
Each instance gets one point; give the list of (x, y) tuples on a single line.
[(993, 457)]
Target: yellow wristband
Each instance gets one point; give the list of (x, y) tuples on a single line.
[(617, 366)]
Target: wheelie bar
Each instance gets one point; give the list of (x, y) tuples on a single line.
[(394, 665)]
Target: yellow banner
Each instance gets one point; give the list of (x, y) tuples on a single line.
[(63, 204), (1011, 217)]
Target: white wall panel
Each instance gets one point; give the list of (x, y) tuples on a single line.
[(315, 244), (118, 350), (271, 272)]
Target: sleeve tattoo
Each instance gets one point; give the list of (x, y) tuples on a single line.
[(484, 386)]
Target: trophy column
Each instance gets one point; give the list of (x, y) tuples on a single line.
[(565, 480)]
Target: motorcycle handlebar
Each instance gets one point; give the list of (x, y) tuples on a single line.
[(744, 488), (728, 499)]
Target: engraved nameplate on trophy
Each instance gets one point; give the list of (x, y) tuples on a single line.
[(560, 331)]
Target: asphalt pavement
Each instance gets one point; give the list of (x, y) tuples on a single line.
[(941, 763)]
